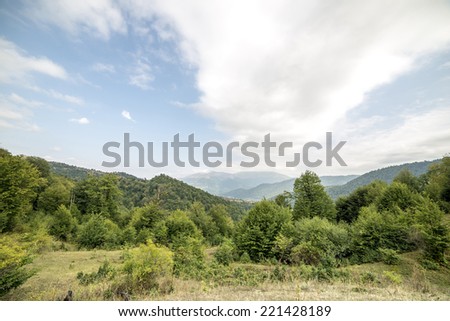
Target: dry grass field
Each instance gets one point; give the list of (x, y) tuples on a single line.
[(56, 273)]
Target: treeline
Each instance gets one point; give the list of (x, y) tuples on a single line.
[(374, 223)]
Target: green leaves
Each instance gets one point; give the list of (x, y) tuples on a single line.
[(311, 199)]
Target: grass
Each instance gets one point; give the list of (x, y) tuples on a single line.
[(56, 274)]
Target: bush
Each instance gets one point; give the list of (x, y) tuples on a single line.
[(189, 257), (147, 265), (63, 224), (258, 230), (306, 253), (389, 256), (315, 241), (93, 233), (13, 257), (105, 271), (225, 253)]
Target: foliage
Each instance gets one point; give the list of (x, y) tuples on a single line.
[(389, 256), (180, 226), (63, 224), (257, 231), (19, 181), (99, 232), (225, 252), (396, 195), (105, 271), (348, 207), (146, 265), (14, 255), (189, 256), (57, 193), (438, 186), (98, 195), (204, 223), (311, 199), (316, 240)]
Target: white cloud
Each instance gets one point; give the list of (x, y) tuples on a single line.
[(99, 18), (81, 121), (16, 114), (99, 67), (17, 66), (295, 67), (127, 115), (141, 73)]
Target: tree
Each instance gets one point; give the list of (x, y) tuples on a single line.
[(406, 177), (180, 226), (19, 181), (57, 193), (396, 195), (257, 231), (348, 207), (14, 256), (98, 195), (222, 219), (93, 233), (438, 186), (311, 199), (63, 224), (148, 216), (204, 222)]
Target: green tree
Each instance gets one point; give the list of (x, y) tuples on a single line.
[(93, 233), (222, 219), (19, 181), (396, 195), (180, 226), (13, 258), (148, 216), (98, 195), (204, 222), (438, 186), (63, 224), (348, 207), (57, 193), (406, 177), (257, 231), (311, 199)]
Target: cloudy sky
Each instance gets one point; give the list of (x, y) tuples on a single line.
[(75, 75)]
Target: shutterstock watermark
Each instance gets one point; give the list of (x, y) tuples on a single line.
[(214, 154)]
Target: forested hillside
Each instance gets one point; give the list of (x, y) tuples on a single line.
[(386, 174), (172, 235)]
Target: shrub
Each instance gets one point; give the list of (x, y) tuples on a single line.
[(258, 230), (306, 253), (389, 256), (147, 265), (105, 271), (225, 253), (189, 257), (13, 257), (63, 224)]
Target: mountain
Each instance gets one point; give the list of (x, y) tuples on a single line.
[(386, 174), (219, 183), (172, 193), (272, 190)]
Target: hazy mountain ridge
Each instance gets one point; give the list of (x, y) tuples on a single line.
[(172, 193), (272, 190), (220, 183)]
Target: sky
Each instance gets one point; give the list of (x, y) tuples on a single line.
[(75, 75)]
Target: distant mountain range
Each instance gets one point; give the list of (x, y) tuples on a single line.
[(386, 174), (219, 183), (239, 185), (271, 190)]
